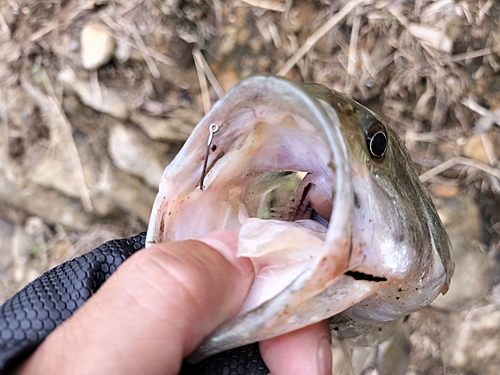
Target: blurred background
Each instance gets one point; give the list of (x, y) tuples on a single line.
[(97, 96)]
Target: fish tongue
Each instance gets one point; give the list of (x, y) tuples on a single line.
[(280, 252)]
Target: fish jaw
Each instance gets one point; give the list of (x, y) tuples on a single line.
[(266, 125), (271, 318), (306, 271)]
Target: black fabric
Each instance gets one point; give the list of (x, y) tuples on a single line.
[(240, 361), (31, 314)]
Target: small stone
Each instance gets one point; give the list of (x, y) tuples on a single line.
[(55, 164), (48, 204), (107, 101), (474, 149), (127, 192), (123, 51), (473, 341), (134, 153), (444, 191), (177, 127), (97, 46), (34, 226), (431, 36), (472, 279)]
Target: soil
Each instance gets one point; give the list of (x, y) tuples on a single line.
[(430, 68)]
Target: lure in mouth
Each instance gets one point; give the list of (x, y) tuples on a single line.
[(275, 164)]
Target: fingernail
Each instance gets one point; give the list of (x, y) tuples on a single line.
[(226, 243), (325, 356)]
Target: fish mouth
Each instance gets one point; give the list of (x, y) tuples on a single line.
[(276, 170)]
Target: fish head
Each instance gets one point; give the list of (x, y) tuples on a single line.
[(397, 235), (326, 203)]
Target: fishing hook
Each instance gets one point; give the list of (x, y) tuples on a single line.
[(214, 128)]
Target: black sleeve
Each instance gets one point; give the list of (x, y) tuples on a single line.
[(30, 315)]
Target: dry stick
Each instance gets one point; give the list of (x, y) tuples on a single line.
[(353, 46), (4, 27), (142, 48), (205, 96), (208, 72), (471, 55), (317, 35), (473, 106), (124, 39), (455, 161), (486, 7), (275, 36), (266, 4), (294, 46), (218, 11), (96, 89), (490, 154), (72, 14), (4, 115), (56, 109), (489, 149)]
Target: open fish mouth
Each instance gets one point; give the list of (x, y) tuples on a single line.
[(270, 162)]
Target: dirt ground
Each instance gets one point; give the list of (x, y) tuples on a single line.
[(97, 96)]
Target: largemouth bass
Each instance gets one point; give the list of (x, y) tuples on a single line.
[(327, 205)]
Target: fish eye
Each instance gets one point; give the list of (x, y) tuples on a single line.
[(376, 140)]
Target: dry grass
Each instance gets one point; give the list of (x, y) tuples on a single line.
[(428, 67)]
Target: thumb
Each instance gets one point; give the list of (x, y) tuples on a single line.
[(153, 311)]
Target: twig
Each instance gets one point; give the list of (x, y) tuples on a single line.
[(218, 11), (5, 27), (353, 46), (96, 90), (266, 4), (473, 106), (483, 11), (456, 161), (142, 49), (68, 15), (205, 96), (4, 115), (317, 35), (122, 38), (294, 46), (471, 55), (55, 107), (208, 72), (488, 149), (490, 154), (275, 36)]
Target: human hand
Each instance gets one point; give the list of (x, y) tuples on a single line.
[(157, 308)]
